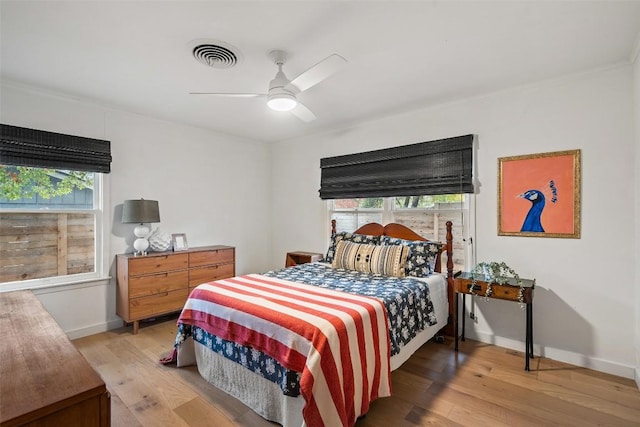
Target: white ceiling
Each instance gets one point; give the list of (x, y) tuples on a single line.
[(402, 55)]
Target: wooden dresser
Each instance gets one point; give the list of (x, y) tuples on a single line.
[(44, 380), (159, 283)]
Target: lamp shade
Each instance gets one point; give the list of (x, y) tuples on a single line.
[(140, 211)]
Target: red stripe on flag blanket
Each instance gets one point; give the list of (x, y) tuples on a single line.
[(374, 391), (311, 297)]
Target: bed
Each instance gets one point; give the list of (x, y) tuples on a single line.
[(314, 344)]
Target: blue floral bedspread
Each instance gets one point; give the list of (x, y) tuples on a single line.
[(409, 310)]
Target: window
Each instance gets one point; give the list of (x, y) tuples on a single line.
[(367, 187), (426, 215), (51, 225), (50, 207), (350, 214)]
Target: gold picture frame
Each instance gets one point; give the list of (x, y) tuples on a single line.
[(539, 195), (179, 241)]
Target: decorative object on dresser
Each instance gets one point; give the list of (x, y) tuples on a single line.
[(160, 283), (179, 241), (301, 257), (140, 211), (44, 378), (499, 281), (160, 240)]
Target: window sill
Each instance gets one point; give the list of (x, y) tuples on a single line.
[(44, 288)]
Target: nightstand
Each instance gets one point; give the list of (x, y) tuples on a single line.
[(300, 257), (508, 292)]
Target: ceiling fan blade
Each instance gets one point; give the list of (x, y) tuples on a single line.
[(322, 70), (234, 95), (303, 113)]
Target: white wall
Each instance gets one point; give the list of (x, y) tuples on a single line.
[(636, 111), (213, 187), (583, 310)]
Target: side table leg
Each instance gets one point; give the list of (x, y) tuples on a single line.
[(531, 329), (455, 320), (527, 339), (464, 313)]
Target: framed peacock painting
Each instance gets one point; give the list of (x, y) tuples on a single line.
[(539, 195)]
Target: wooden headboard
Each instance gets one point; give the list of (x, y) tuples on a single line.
[(402, 232)]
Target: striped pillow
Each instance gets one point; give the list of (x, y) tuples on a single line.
[(348, 237), (386, 260)]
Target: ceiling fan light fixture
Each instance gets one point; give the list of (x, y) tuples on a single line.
[(282, 91), (282, 102)]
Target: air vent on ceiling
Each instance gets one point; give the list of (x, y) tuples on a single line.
[(216, 54)]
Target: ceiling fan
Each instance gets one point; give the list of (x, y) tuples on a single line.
[(282, 94)]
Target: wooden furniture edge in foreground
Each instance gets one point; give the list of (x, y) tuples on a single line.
[(45, 379)]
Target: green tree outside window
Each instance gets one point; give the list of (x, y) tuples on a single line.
[(17, 182)]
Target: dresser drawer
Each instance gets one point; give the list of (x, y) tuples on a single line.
[(157, 264), (166, 302), (464, 286), (216, 256), (505, 292), (157, 283), (210, 273)]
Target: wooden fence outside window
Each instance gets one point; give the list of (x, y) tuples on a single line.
[(40, 245)]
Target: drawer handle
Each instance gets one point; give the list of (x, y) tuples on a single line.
[(156, 275), (474, 287)]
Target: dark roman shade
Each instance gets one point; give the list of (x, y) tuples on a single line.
[(443, 166), (36, 148)]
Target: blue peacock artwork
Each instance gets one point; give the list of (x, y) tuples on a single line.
[(532, 222)]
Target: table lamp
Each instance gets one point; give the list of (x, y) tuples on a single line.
[(140, 211)]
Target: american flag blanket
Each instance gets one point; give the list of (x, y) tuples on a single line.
[(338, 341)]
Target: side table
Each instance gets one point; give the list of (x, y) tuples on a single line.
[(464, 284), (301, 257)]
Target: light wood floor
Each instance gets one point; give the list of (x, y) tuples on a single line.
[(483, 385)]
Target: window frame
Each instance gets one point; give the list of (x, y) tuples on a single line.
[(101, 243), (388, 209)]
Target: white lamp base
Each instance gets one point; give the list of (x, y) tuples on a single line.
[(141, 244)]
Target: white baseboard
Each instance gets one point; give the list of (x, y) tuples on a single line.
[(94, 329), (638, 377), (601, 365)]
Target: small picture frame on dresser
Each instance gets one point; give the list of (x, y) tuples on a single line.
[(179, 241)]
